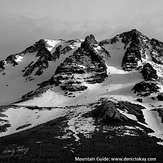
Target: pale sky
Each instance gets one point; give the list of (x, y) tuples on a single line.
[(22, 22)]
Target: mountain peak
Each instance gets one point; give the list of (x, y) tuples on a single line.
[(132, 34), (88, 42), (90, 39), (135, 31)]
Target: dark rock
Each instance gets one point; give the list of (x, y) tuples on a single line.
[(61, 50), (4, 128), (139, 99), (157, 51), (88, 42), (108, 41), (2, 65), (73, 87), (153, 98), (131, 58), (40, 65), (136, 50), (36, 47), (98, 78), (133, 109), (11, 60), (107, 112), (132, 35), (145, 88), (23, 126), (149, 73), (160, 96)]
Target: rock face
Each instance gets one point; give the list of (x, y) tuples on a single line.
[(42, 63), (140, 48), (149, 73), (89, 42), (157, 51), (145, 88), (84, 66), (137, 45)]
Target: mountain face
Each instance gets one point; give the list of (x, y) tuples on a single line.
[(109, 89)]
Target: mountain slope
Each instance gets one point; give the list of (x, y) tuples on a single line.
[(111, 87), (21, 73)]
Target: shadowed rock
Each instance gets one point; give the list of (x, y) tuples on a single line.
[(149, 73)]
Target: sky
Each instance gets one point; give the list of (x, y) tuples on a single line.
[(22, 22)]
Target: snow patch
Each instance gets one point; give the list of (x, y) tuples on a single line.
[(21, 116), (50, 44), (18, 58)]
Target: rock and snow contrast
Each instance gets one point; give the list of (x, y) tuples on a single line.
[(79, 90)]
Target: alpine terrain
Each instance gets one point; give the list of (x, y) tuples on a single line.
[(67, 100)]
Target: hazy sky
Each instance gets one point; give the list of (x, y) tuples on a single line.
[(23, 22)]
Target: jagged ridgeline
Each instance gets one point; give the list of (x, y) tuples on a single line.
[(74, 65)]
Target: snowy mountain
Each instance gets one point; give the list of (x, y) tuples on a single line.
[(112, 87)]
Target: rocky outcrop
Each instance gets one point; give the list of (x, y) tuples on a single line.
[(43, 56), (131, 59), (11, 60), (137, 44), (2, 64), (145, 88), (109, 111), (133, 109), (150, 85), (157, 51), (40, 65), (88, 43), (160, 96), (36, 47), (73, 86), (149, 73)]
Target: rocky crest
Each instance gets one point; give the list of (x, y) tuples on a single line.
[(39, 50), (85, 65), (137, 44)]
